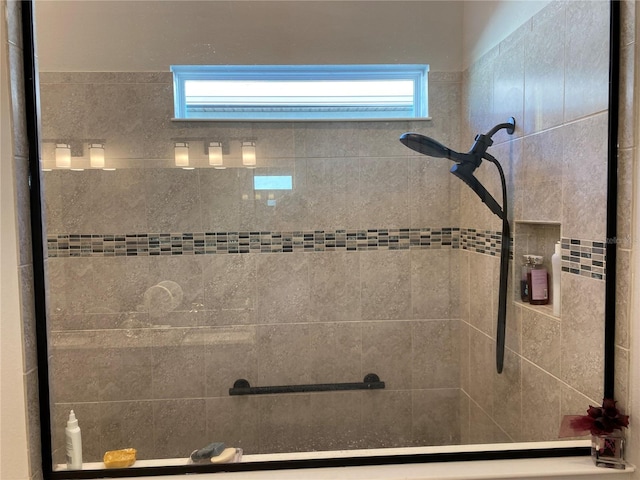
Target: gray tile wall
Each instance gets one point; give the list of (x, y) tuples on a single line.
[(337, 312), (555, 165), (127, 352)]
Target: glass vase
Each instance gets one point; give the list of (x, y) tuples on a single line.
[(607, 450)]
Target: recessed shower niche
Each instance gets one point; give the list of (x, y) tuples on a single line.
[(534, 238)]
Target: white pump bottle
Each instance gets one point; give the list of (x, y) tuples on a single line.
[(74, 443)]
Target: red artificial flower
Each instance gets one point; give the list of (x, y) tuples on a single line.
[(601, 420)]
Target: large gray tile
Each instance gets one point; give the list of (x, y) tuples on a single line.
[(227, 196), (436, 418), (433, 193), (234, 421), (332, 191), (541, 340), (283, 354), (507, 401), (334, 284), (587, 59), (282, 294), (179, 427), (334, 352), (173, 200), (285, 423), (231, 354), (178, 287), (229, 282), (508, 87), (483, 429), (126, 425), (482, 284), (386, 285), (337, 422), (433, 284), (582, 334), (391, 415), (624, 234), (179, 371), (540, 404), (482, 365), (384, 192), (623, 297), (584, 178), (435, 356), (544, 73), (386, 351)]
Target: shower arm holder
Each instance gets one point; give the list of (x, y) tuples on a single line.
[(484, 140)]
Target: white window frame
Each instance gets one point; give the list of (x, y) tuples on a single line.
[(358, 110)]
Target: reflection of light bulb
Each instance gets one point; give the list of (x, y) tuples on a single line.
[(248, 154), (96, 155), (215, 155), (181, 151), (63, 155)]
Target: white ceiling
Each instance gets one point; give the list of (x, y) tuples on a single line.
[(150, 35)]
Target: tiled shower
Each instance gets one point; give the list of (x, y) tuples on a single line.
[(377, 261)]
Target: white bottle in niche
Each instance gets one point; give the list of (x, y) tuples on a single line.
[(74, 443), (556, 268)]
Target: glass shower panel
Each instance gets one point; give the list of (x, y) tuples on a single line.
[(339, 254)]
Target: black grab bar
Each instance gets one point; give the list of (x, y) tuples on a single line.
[(242, 387)]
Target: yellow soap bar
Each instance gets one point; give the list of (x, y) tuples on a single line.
[(227, 455), (120, 458)]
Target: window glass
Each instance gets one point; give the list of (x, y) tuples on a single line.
[(306, 92)]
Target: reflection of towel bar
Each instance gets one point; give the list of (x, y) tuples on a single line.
[(242, 387)]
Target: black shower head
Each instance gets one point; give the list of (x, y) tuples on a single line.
[(466, 162), (464, 171), (429, 146)]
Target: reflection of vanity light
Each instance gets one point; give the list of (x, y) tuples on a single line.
[(181, 151), (215, 155), (63, 155), (77, 169), (109, 169), (96, 155), (249, 154)]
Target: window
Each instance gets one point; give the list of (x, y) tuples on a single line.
[(300, 92)]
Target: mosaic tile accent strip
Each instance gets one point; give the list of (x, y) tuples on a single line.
[(581, 257), (205, 243), (584, 257)]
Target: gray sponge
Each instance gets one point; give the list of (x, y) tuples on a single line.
[(206, 453)]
